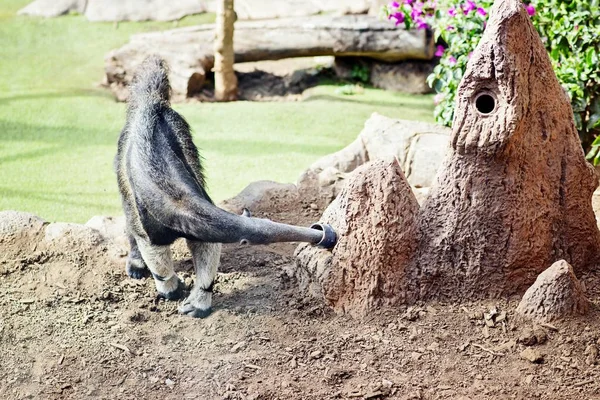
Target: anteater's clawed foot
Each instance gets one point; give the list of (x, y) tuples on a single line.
[(197, 305), (172, 289), (136, 268)]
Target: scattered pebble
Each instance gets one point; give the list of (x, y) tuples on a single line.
[(315, 355), (237, 347), (591, 353), (532, 355)]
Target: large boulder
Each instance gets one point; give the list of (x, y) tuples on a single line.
[(418, 146), (20, 233), (263, 196), (374, 216), (166, 10), (14, 224), (556, 294), (268, 9), (406, 76), (112, 229), (143, 10), (53, 8), (64, 235), (375, 6)]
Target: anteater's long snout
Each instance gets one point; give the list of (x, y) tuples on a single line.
[(328, 238), (262, 231)]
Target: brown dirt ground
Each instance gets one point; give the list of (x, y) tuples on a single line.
[(73, 327)]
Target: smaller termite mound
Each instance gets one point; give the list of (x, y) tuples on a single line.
[(374, 216), (555, 294)]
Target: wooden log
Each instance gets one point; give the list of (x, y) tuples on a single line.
[(189, 51)]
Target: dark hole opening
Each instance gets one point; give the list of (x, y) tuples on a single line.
[(485, 103)]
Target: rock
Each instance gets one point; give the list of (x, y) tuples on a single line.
[(53, 8), (530, 337), (327, 176), (376, 6), (76, 236), (143, 10), (591, 353), (532, 355), (423, 159), (419, 147), (287, 66), (189, 53), (555, 294), (406, 76), (237, 347), (383, 137), (596, 206), (540, 335), (374, 218), (345, 67), (420, 193), (315, 355), (112, 228), (16, 223), (263, 196), (163, 10), (514, 192), (269, 9), (20, 235)]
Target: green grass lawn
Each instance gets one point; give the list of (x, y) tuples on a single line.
[(58, 129)]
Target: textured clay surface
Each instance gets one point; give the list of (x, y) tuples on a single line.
[(556, 294), (374, 216), (514, 193)]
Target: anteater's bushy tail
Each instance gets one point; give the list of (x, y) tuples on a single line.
[(150, 83)]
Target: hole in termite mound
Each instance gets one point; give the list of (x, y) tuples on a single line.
[(485, 103)]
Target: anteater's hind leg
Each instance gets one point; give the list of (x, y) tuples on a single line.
[(206, 258), (160, 263), (136, 267)]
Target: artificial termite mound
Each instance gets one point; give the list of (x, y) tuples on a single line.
[(512, 196)]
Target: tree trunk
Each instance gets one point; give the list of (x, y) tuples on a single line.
[(225, 79)]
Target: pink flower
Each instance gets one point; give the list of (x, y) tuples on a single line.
[(416, 12), (452, 60), (481, 12), (469, 6), (452, 12), (440, 51), (409, 2), (450, 28), (469, 55), (394, 4), (398, 17), (530, 10), (420, 23)]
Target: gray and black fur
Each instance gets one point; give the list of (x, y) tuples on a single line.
[(162, 188)]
